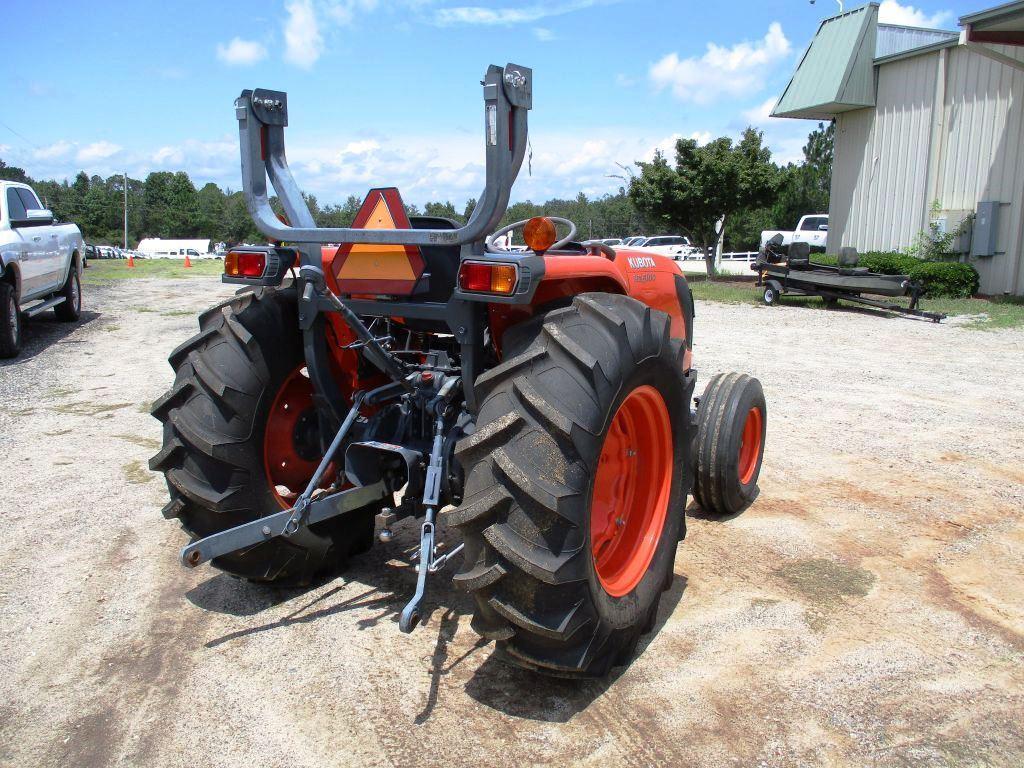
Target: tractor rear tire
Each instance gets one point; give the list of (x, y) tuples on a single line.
[(587, 412), (226, 379), (732, 421)]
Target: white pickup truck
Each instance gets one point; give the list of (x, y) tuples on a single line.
[(811, 229), (40, 264)]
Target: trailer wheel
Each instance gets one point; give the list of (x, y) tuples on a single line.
[(772, 291), (732, 421), (576, 484), (241, 439), (10, 322)]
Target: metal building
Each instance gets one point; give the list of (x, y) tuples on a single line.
[(929, 128)]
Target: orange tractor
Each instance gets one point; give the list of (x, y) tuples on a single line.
[(538, 402)]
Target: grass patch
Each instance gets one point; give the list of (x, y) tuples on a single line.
[(136, 472), (107, 270), (142, 442), (985, 314), (89, 409)]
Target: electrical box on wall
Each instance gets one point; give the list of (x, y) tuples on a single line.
[(986, 229)]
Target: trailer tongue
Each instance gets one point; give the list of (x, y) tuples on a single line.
[(796, 274)]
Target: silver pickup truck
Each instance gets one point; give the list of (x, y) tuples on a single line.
[(40, 264)]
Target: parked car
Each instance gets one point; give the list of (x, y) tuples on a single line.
[(811, 229), (40, 264), (611, 241), (673, 246), (632, 242)]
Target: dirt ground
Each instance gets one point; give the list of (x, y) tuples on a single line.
[(867, 610)]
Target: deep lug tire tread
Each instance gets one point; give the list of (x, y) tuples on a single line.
[(529, 467), (212, 453)]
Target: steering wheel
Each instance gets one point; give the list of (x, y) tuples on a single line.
[(518, 224)]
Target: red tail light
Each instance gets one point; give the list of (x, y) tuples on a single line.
[(245, 264), (484, 277)]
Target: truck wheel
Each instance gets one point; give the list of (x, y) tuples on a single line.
[(241, 439), (10, 322), (731, 423), (576, 485), (69, 310)]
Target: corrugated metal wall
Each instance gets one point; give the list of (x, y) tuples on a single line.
[(881, 160), (894, 39), (982, 158), (882, 185)]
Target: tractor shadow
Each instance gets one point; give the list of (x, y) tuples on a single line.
[(387, 581), (385, 573), (43, 331)]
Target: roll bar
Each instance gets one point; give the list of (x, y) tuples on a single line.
[(263, 114)]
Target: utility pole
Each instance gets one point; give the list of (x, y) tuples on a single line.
[(126, 210)]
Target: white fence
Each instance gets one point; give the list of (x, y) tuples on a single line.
[(733, 263)]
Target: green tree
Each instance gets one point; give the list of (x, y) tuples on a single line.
[(706, 184), (443, 210), (12, 173), (210, 222)]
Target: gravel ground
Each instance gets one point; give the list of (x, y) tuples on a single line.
[(867, 610)]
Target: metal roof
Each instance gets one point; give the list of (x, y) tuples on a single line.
[(894, 39), (993, 14), (836, 72)]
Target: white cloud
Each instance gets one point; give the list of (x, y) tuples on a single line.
[(343, 12), (702, 137), (543, 34), (722, 72), (169, 156), (99, 150), (302, 38), (56, 150), (624, 80), (475, 14), (242, 53), (760, 114), (891, 12)]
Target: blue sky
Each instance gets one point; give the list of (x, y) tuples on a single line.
[(385, 92)]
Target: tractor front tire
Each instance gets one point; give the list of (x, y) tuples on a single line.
[(576, 481), (732, 420), (228, 378)]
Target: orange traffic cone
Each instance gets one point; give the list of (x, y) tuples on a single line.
[(131, 259), (188, 262)]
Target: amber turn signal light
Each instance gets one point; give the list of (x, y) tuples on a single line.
[(484, 277), (539, 234)]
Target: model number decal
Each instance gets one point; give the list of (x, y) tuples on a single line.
[(640, 262)]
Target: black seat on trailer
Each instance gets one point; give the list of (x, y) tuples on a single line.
[(848, 260), (799, 254)]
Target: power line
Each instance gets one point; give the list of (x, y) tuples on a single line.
[(27, 141)]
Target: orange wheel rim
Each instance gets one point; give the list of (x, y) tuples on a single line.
[(750, 445), (291, 439), (632, 487)]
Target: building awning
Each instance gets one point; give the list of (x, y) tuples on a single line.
[(836, 73), (1003, 25)]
